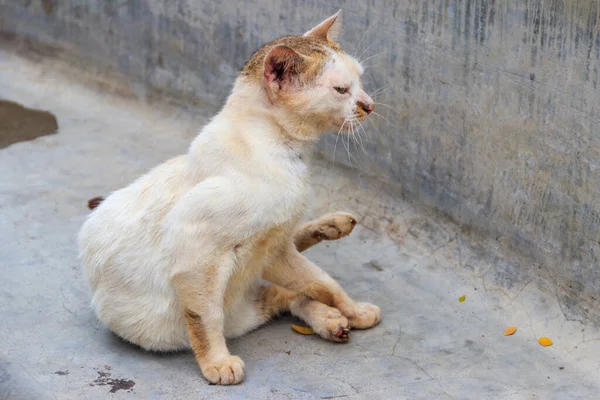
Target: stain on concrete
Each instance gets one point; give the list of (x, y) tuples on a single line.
[(61, 373), (373, 264), (116, 384), (20, 124)]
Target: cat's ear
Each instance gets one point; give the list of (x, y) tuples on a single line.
[(330, 29), (282, 68)]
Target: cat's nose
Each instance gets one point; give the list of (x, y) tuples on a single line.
[(368, 107)]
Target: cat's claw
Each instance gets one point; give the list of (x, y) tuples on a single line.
[(340, 332), (343, 334)]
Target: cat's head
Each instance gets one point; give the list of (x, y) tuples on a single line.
[(311, 84)]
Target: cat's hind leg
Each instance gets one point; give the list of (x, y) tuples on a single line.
[(259, 305), (327, 322), (263, 303), (296, 273)]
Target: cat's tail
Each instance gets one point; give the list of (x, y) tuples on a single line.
[(95, 202)]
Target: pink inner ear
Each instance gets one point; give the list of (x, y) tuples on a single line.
[(281, 66), (274, 72)]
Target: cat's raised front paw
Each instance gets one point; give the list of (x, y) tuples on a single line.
[(365, 316), (228, 372), (334, 225)]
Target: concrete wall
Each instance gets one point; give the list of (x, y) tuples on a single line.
[(494, 105)]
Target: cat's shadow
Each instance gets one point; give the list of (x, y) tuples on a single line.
[(122, 346)]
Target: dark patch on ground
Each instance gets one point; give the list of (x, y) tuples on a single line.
[(20, 124), (62, 373), (104, 379), (374, 265)]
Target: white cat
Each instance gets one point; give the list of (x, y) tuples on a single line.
[(207, 245)]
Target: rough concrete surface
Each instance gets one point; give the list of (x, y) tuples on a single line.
[(413, 263), (491, 106)]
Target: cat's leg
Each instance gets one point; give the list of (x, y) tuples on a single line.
[(327, 322), (331, 226), (260, 304), (294, 272), (265, 302), (204, 315)]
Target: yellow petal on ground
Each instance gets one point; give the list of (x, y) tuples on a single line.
[(305, 330), (544, 341), (510, 330), (462, 298)]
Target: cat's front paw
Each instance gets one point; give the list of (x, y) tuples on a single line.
[(227, 372), (334, 225), (365, 316)]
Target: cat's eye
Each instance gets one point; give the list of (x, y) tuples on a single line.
[(340, 90)]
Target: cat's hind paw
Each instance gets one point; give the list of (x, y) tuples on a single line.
[(366, 315), (330, 324)]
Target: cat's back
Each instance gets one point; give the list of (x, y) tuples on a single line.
[(123, 233), (125, 265)]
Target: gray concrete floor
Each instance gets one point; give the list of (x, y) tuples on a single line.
[(409, 261)]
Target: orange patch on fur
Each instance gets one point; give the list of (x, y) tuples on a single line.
[(319, 292), (273, 300), (314, 51), (198, 337)]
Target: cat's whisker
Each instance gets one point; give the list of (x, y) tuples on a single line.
[(373, 56), (354, 136), (388, 106), (371, 64), (350, 156), (371, 135), (337, 137), (361, 39), (361, 126), (379, 135), (347, 145), (357, 137), (352, 133), (381, 116), (382, 89), (364, 51)]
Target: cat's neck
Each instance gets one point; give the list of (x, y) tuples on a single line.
[(248, 133), (250, 104)]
